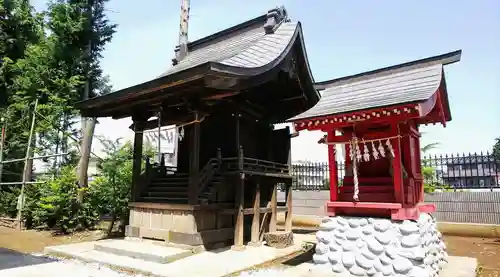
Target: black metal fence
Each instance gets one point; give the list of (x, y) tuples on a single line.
[(456, 171)]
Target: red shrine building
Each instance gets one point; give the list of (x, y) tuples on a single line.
[(376, 116)]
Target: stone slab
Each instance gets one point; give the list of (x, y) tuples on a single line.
[(216, 263), (140, 250), (456, 267)]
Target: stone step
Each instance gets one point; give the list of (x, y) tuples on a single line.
[(163, 182), (178, 200), (168, 194), (167, 188), (143, 251)]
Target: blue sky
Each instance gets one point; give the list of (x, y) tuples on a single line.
[(342, 38)]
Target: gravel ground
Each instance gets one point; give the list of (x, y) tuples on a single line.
[(81, 269), (262, 273)]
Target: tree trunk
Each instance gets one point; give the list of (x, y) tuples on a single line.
[(85, 149), (111, 224)]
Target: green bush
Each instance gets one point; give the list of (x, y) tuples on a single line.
[(54, 204), (111, 191), (8, 201)]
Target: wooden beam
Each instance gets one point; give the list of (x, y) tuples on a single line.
[(239, 226), (137, 158), (251, 109), (250, 211), (366, 117), (256, 215), (274, 211), (194, 169), (239, 193), (331, 138), (288, 217)]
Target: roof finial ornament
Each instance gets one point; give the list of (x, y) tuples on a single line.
[(274, 18), (182, 49)]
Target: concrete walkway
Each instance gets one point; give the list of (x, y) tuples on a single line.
[(205, 264), (456, 267)]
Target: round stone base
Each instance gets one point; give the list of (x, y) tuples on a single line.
[(364, 246)]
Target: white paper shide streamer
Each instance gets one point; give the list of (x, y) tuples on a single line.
[(376, 152)]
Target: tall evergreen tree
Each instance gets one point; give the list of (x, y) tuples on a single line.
[(52, 56), (21, 29)]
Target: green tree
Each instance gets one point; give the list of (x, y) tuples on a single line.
[(496, 151), (49, 56), (20, 29), (428, 172), (110, 193), (430, 146)]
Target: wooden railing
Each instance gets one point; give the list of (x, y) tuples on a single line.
[(158, 170), (256, 165), (207, 173)]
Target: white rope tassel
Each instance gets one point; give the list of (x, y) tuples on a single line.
[(355, 196), (389, 145), (181, 133), (374, 151), (358, 150), (366, 152), (381, 149)]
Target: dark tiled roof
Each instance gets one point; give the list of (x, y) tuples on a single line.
[(248, 49), (251, 48), (405, 83)]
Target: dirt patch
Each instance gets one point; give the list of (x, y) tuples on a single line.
[(485, 250), (30, 241)]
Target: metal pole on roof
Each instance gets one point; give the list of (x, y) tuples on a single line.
[(183, 32)]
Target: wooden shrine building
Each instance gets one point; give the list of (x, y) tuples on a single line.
[(376, 116), (224, 96)]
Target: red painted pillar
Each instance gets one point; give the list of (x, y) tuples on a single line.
[(397, 171), (332, 164)]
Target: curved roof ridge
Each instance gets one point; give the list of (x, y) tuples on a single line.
[(415, 85), (266, 52), (265, 49), (443, 59)]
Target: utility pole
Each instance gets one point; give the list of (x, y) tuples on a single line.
[(2, 142), (27, 164)]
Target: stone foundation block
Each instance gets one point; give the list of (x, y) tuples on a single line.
[(363, 246)]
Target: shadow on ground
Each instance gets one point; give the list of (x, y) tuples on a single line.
[(12, 259)]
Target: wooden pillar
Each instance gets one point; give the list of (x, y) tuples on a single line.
[(239, 203), (255, 236), (194, 162), (274, 211), (332, 166), (397, 170), (137, 160), (288, 216)]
